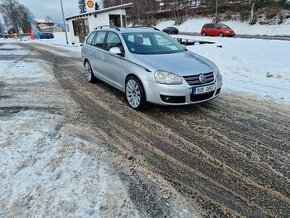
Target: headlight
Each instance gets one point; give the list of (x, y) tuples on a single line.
[(164, 77)]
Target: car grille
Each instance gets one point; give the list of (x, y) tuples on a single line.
[(201, 97), (194, 80)]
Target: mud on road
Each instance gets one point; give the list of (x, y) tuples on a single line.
[(230, 156)]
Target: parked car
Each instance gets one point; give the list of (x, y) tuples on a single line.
[(216, 29), (3, 36), (171, 30), (149, 66), (46, 35)]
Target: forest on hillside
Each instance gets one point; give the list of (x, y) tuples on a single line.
[(147, 12)]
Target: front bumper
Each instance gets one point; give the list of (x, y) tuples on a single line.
[(179, 94)]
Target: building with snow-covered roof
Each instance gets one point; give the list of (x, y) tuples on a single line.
[(47, 22), (81, 24)]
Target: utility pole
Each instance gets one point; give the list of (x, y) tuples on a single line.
[(122, 14), (64, 22)]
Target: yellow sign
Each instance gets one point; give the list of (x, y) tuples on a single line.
[(90, 4)]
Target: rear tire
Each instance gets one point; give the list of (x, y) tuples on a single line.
[(221, 35), (203, 34), (135, 93), (89, 73)]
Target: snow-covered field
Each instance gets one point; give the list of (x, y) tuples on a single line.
[(195, 25)]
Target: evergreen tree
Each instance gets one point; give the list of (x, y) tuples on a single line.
[(82, 6), (97, 7)]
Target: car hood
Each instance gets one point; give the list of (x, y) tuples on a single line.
[(182, 63)]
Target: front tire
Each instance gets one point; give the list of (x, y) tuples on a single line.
[(89, 73), (221, 35), (134, 93)]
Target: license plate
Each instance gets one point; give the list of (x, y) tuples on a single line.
[(203, 89)]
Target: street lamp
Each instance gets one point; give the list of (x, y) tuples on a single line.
[(64, 22)]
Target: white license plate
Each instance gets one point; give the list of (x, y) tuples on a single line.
[(203, 89)]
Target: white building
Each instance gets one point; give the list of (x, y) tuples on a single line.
[(80, 25)]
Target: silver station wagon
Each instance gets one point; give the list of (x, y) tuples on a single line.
[(149, 66)]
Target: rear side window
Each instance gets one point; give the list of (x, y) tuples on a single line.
[(212, 26), (99, 39), (90, 38)]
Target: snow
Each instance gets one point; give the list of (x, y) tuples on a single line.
[(60, 40), (253, 66), (195, 25)]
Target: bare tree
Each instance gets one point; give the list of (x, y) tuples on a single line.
[(15, 14), (1, 27), (48, 19)]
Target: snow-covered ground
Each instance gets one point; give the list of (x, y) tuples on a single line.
[(45, 169), (195, 25)]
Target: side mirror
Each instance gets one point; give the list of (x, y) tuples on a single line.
[(115, 51)]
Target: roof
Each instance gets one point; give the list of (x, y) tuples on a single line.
[(43, 21), (123, 6)]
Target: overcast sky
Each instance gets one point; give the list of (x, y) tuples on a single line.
[(43, 8)]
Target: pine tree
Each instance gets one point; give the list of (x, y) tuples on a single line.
[(82, 6), (97, 7)]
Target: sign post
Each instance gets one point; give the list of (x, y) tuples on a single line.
[(90, 5)]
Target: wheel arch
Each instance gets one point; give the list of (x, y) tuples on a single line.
[(137, 77), (86, 60)]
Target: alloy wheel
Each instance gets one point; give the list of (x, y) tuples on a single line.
[(133, 93), (88, 71)]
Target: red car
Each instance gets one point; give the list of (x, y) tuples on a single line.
[(216, 29)]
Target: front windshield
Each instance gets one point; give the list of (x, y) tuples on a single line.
[(151, 43)]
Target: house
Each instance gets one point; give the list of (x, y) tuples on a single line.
[(82, 24), (57, 29), (47, 22), (44, 25)]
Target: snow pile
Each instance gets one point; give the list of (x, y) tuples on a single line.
[(60, 40), (195, 25)]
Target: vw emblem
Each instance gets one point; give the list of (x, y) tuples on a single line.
[(201, 78)]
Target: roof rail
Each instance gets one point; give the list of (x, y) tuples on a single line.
[(107, 26), (152, 27)]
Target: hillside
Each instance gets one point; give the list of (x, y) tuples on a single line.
[(240, 27)]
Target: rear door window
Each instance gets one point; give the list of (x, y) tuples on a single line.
[(99, 39)]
